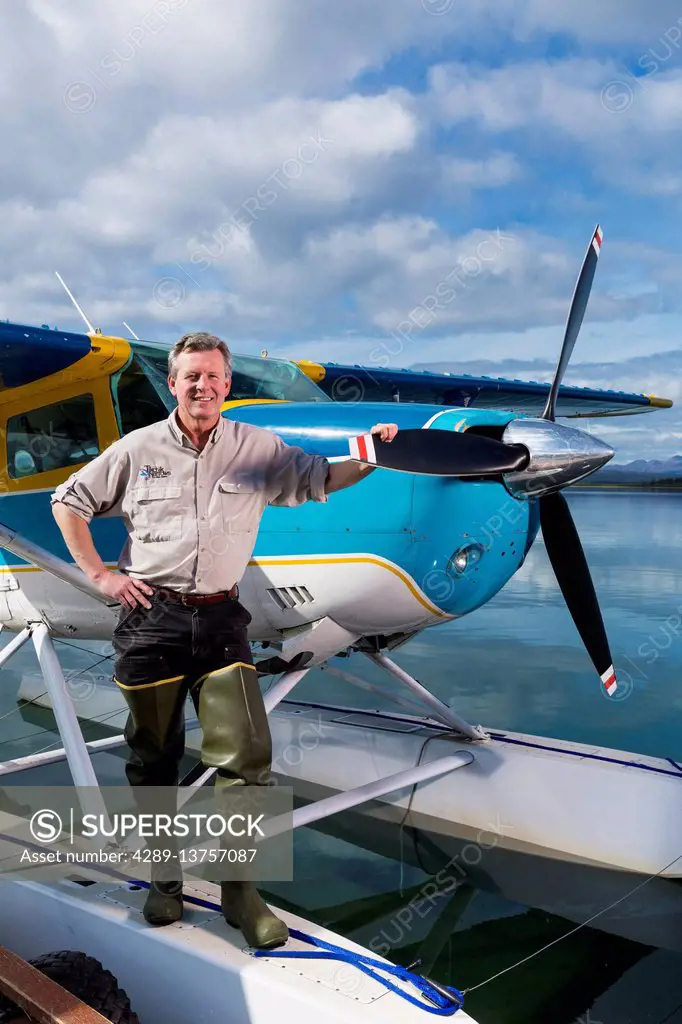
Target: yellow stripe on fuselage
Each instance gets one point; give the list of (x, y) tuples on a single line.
[(355, 560), (226, 406), (330, 560)]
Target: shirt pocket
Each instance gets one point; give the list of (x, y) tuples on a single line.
[(155, 513), (241, 505)]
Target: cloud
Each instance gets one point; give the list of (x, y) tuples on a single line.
[(597, 104), (565, 95), (310, 151), (210, 53), (615, 23), (491, 172)]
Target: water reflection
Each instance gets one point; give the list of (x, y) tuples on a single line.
[(404, 896)]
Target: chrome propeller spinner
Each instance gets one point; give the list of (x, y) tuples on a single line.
[(558, 456)]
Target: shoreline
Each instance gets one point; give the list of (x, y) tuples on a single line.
[(649, 488)]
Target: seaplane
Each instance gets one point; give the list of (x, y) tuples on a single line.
[(447, 518)]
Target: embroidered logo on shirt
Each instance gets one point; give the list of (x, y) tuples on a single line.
[(153, 472)]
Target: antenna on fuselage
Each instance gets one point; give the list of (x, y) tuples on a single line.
[(91, 329), (132, 332)]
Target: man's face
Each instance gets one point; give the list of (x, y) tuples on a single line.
[(201, 385)]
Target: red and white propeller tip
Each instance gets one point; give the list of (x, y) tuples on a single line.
[(608, 678), (362, 446), (597, 239), (362, 449)]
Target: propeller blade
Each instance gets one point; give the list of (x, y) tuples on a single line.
[(573, 575), (576, 313), (439, 453)]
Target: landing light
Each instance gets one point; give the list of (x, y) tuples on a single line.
[(464, 558)]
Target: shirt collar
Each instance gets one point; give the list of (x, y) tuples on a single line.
[(217, 430), (182, 438)]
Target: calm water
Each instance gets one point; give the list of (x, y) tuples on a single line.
[(515, 664)]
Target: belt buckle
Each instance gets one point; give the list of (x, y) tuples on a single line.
[(183, 599)]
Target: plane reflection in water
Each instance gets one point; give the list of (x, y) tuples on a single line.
[(413, 899)]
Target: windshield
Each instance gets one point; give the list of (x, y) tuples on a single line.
[(251, 377)]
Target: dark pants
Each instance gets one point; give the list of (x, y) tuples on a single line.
[(167, 651)]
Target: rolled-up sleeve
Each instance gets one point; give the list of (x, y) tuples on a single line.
[(296, 476), (96, 489)]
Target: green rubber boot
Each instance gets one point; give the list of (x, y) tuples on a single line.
[(243, 907), (155, 735), (234, 723), (236, 741), (163, 904)]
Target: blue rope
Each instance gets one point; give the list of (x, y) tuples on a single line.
[(444, 1005)]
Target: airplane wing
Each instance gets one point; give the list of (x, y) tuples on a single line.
[(28, 353), (360, 383)]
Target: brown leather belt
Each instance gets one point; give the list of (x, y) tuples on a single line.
[(199, 599)]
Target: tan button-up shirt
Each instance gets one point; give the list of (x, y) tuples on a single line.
[(192, 516)]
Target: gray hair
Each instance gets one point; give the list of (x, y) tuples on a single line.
[(199, 341)]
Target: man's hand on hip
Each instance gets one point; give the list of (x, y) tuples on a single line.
[(128, 592)]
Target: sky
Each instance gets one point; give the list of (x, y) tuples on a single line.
[(305, 177)]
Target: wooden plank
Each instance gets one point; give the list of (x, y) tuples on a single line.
[(44, 1000)]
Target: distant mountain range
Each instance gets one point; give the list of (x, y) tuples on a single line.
[(641, 472)]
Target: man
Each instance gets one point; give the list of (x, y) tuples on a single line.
[(191, 491)]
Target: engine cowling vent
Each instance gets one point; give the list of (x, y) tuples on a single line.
[(290, 597)]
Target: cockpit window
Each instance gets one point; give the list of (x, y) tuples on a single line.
[(52, 437), (251, 377), (272, 378), (139, 397)]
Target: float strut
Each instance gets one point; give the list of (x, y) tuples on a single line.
[(474, 732)]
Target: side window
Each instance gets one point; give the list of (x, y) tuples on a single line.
[(136, 400), (52, 437)]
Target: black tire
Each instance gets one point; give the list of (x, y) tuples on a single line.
[(85, 978)]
